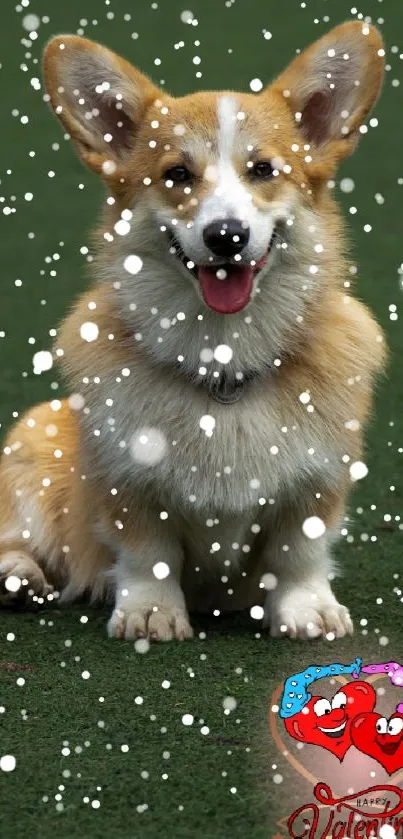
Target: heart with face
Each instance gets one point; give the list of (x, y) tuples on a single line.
[(380, 738), (327, 722)]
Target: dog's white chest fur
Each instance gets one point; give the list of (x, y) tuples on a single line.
[(195, 455)]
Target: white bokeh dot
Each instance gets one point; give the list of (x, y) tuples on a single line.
[(256, 85), (223, 353), (256, 613), (133, 264), (229, 703), (207, 424), (76, 401), (142, 645), (186, 16), (13, 583), (206, 355), (269, 581), (122, 227), (148, 446), (8, 763), (313, 527), (89, 331), (387, 832), (42, 361), (31, 22), (161, 570), (358, 470), (347, 185)]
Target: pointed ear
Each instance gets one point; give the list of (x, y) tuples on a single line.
[(331, 87), (99, 97)]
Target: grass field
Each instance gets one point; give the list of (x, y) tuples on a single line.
[(117, 738)]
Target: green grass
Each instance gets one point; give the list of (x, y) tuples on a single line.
[(195, 800)]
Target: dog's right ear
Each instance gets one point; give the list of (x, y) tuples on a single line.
[(99, 97)]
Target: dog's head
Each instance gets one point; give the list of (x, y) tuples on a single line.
[(219, 187)]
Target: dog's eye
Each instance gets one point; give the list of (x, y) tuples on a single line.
[(262, 169), (178, 175)]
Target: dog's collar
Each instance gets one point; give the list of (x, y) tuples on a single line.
[(226, 388)]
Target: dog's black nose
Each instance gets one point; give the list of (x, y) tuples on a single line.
[(226, 237)]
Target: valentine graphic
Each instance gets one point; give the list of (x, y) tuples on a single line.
[(349, 717), (340, 726), (366, 814)]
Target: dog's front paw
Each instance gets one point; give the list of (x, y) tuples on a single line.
[(306, 613), (144, 620)]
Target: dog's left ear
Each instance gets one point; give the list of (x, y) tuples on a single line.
[(99, 97), (331, 87)]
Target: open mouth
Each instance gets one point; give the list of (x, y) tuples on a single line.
[(333, 732), (389, 748), (226, 287)]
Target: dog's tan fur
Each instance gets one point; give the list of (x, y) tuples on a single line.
[(88, 520)]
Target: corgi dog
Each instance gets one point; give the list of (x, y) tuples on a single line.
[(220, 371)]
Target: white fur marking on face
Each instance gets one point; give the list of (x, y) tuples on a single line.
[(229, 192), (227, 121), (229, 197)]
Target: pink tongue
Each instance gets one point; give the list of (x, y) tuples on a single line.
[(229, 295)]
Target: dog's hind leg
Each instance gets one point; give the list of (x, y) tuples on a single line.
[(49, 515), (32, 497), (21, 578)]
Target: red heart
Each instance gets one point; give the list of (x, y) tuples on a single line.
[(380, 738), (327, 723)]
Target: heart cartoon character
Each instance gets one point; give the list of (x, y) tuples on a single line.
[(380, 738), (327, 722)]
